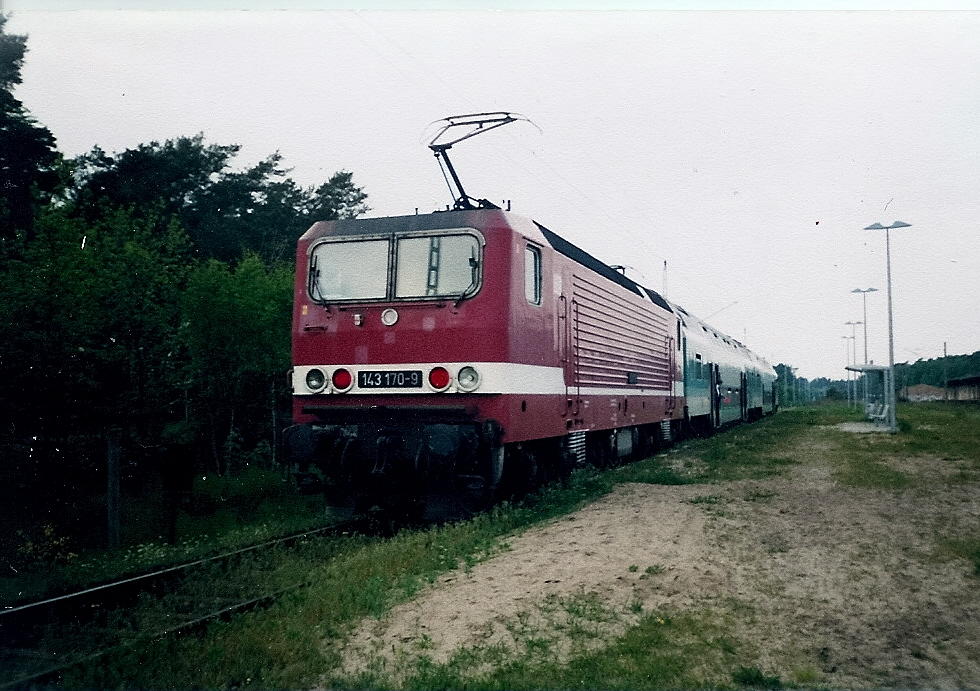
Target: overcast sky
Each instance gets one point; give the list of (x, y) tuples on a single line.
[(746, 149)]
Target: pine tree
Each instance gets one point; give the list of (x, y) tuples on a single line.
[(28, 158)]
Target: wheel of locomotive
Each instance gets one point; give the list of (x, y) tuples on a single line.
[(472, 493), (400, 499), (388, 515), (410, 507), (651, 442), (524, 472), (599, 449), (470, 504), (564, 465)]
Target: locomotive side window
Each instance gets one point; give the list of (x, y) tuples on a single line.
[(349, 270), (437, 265), (532, 275)]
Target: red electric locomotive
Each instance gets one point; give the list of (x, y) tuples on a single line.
[(469, 354)]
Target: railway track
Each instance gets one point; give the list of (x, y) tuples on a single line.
[(41, 640)]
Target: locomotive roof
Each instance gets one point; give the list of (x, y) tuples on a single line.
[(456, 218), (579, 255), (397, 224)]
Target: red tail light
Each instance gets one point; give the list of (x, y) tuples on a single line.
[(342, 379), (439, 378)]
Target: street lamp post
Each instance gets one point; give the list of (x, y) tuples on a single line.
[(847, 357), (864, 296), (864, 300), (855, 355), (892, 422)]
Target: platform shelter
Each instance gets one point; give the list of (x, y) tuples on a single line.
[(875, 382)]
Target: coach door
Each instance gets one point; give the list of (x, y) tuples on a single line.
[(715, 395), (744, 397)]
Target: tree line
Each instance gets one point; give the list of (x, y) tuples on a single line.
[(147, 292), (934, 372), (937, 371)]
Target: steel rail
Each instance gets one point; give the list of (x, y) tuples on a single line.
[(158, 574), (50, 673), (23, 628)]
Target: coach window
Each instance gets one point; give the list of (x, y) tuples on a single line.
[(532, 274)]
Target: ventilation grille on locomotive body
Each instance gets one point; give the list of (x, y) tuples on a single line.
[(612, 335), (575, 444)]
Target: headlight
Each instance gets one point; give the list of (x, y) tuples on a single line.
[(468, 378), (389, 317), (316, 380)]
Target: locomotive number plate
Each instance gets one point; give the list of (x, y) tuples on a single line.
[(394, 379)]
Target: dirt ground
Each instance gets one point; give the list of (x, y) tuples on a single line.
[(827, 585)]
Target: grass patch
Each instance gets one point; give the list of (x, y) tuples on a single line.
[(707, 499), (298, 638), (287, 645), (870, 473), (943, 431), (226, 513), (758, 495), (962, 548), (763, 449), (660, 651), (753, 678), (950, 429)]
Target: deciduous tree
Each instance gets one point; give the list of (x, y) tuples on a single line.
[(235, 326), (226, 212)]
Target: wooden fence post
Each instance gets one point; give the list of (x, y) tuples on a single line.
[(113, 494)]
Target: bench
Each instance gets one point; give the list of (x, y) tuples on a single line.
[(877, 412)]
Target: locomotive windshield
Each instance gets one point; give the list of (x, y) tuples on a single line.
[(444, 265), (349, 270)]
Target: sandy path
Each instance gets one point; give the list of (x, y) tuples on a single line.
[(840, 582)]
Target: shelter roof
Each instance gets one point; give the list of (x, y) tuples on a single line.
[(969, 379), (866, 368)]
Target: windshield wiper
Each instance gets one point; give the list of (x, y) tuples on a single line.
[(313, 283), (474, 278)]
